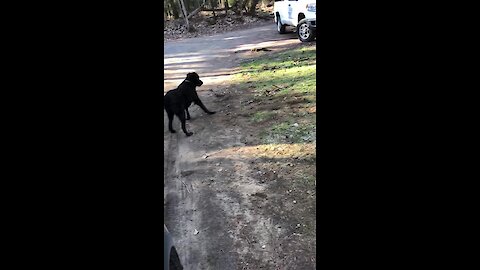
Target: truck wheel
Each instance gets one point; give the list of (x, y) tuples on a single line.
[(280, 26), (305, 32)]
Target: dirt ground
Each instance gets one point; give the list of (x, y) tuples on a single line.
[(232, 201), (216, 57)]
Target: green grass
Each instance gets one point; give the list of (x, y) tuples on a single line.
[(262, 116), (286, 131), (286, 79), (293, 70)]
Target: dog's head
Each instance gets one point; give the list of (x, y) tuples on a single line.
[(194, 78)]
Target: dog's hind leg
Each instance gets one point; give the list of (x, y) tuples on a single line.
[(170, 121), (199, 103), (181, 115)]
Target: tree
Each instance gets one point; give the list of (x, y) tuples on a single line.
[(226, 6), (180, 8), (252, 6), (185, 15), (213, 5), (239, 6), (197, 10), (171, 9)]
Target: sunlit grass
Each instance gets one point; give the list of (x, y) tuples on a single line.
[(286, 79), (289, 71)]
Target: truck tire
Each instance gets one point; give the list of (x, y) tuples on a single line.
[(280, 26), (305, 32)]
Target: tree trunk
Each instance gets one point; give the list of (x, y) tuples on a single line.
[(213, 4), (185, 15), (253, 5), (179, 10), (226, 7), (197, 10), (240, 6)]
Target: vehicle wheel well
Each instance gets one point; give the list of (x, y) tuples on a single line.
[(301, 16)]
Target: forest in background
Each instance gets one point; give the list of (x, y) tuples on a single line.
[(208, 17), (175, 9)]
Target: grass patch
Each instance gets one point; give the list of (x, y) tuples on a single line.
[(287, 59), (262, 116), (289, 132), (283, 86), (292, 70)]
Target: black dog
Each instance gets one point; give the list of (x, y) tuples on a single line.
[(177, 101)]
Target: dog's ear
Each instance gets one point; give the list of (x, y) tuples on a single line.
[(193, 76)]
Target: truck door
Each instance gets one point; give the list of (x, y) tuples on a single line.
[(292, 11), (280, 7)]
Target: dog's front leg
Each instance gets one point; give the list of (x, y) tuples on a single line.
[(199, 103), (188, 114)]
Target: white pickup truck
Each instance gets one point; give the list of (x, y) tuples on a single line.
[(301, 14)]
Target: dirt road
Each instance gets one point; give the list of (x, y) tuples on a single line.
[(215, 57), (213, 193)]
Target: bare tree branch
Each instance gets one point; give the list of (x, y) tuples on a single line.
[(197, 10), (184, 11)]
